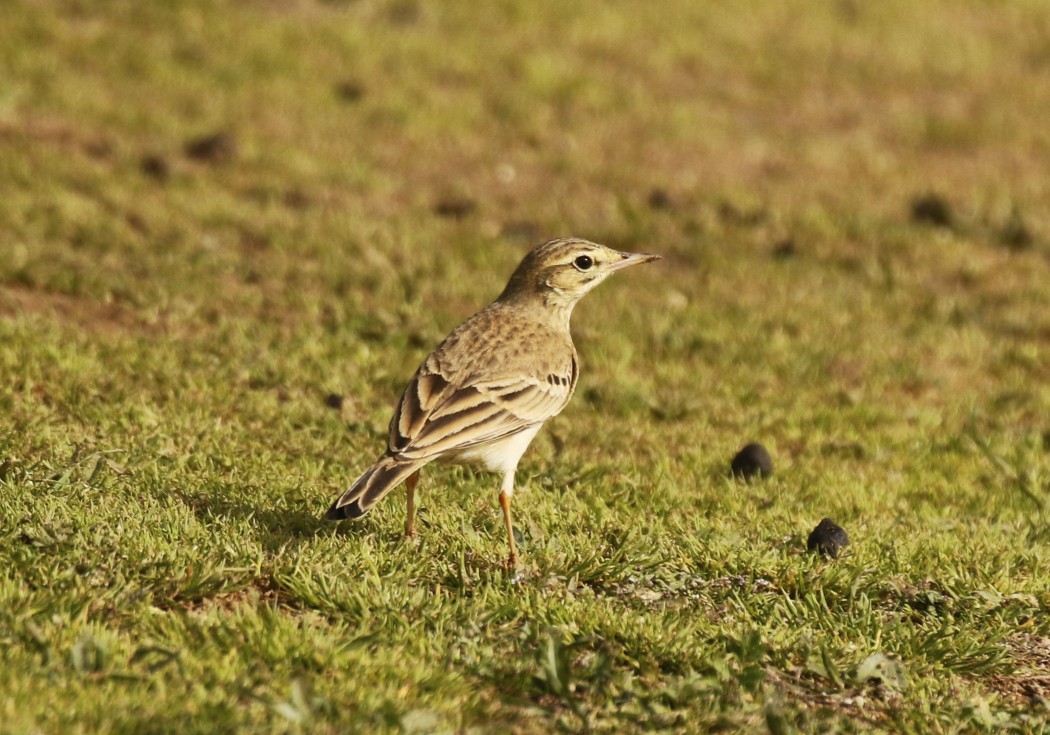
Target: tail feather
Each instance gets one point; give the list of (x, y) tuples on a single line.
[(369, 488)]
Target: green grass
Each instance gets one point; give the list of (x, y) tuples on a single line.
[(170, 328)]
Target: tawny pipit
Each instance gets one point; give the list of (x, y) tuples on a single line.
[(482, 395)]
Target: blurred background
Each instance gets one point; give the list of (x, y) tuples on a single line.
[(229, 232), (851, 196)]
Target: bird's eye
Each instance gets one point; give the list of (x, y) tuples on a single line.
[(583, 262)]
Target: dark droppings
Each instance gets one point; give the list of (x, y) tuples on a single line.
[(752, 461), (828, 538)]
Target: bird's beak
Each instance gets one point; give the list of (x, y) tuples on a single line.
[(630, 259)]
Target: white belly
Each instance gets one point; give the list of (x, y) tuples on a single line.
[(498, 456)]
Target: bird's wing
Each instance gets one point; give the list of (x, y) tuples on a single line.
[(436, 416)]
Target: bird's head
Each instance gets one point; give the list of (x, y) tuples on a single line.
[(560, 272)]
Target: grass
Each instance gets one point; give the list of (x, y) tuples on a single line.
[(175, 320)]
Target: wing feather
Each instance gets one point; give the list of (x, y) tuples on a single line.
[(477, 387), (459, 418)]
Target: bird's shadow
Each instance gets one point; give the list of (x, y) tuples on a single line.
[(278, 526)]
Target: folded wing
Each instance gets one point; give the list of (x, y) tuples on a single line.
[(436, 417)]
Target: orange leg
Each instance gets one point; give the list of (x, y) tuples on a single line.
[(504, 502), (410, 488)]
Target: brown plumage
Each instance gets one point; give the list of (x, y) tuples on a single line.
[(486, 390)]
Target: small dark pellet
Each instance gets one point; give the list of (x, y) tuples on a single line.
[(752, 461), (828, 538)]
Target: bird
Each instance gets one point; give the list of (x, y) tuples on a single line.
[(483, 394)]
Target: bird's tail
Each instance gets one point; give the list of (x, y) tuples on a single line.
[(369, 488)]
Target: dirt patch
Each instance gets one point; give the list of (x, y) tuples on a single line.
[(259, 592), (90, 316), (56, 132), (1029, 682)]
